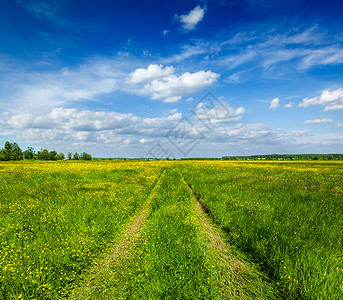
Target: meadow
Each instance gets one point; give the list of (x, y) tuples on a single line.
[(211, 230)]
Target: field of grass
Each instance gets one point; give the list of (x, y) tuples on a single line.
[(210, 230), (286, 215), (56, 217)]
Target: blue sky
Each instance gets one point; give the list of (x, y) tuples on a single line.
[(172, 78)]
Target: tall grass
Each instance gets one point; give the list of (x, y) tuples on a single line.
[(287, 216), (55, 217)]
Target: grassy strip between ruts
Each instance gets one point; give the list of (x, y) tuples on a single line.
[(180, 255)]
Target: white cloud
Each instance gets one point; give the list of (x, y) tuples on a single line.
[(274, 104), (303, 50), (144, 140), (234, 78), (150, 73), (317, 121), (289, 105), (191, 19), (46, 90), (172, 99), (221, 112), (171, 88), (330, 100), (72, 119), (165, 32), (331, 55)]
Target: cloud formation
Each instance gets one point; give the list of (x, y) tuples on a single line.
[(152, 72), (274, 104), (164, 85), (330, 100), (317, 121), (289, 105), (190, 20)]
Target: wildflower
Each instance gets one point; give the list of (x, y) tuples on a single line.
[(294, 232)]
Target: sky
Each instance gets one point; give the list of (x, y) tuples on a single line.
[(172, 78)]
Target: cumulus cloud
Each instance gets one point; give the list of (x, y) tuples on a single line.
[(330, 100), (171, 88), (161, 83), (274, 104), (190, 20), (74, 120), (150, 73), (317, 121)]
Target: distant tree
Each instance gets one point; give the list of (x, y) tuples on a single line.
[(29, 153), (8, 146), (18, 153), (3, 155), (53, 155), (43, 154), (70, 155), (11, 151), (76, 156), (86, 156), (60, 156)]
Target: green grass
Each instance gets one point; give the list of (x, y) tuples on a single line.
[(272, 230), (56, 217), (174, 258), (286, 216)]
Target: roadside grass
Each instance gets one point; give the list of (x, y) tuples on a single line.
[(285, 216), (56, 217)]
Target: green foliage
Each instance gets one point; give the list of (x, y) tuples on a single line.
[(11, 151), (287, 157), (29, 153)]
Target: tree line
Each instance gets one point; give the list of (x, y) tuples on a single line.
[(287, 157), (12, 151)]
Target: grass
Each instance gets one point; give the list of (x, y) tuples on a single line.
[(260, 230), (286, 216), (174, 258), (56, 217)]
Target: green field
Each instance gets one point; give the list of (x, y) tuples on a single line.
[(171, 230)]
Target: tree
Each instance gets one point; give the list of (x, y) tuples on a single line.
[(53, 155), (76, 156), (28, 154), (70, 155), (3, 155), (43, 154), (17, 154), (86, 156), (60, 156)]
